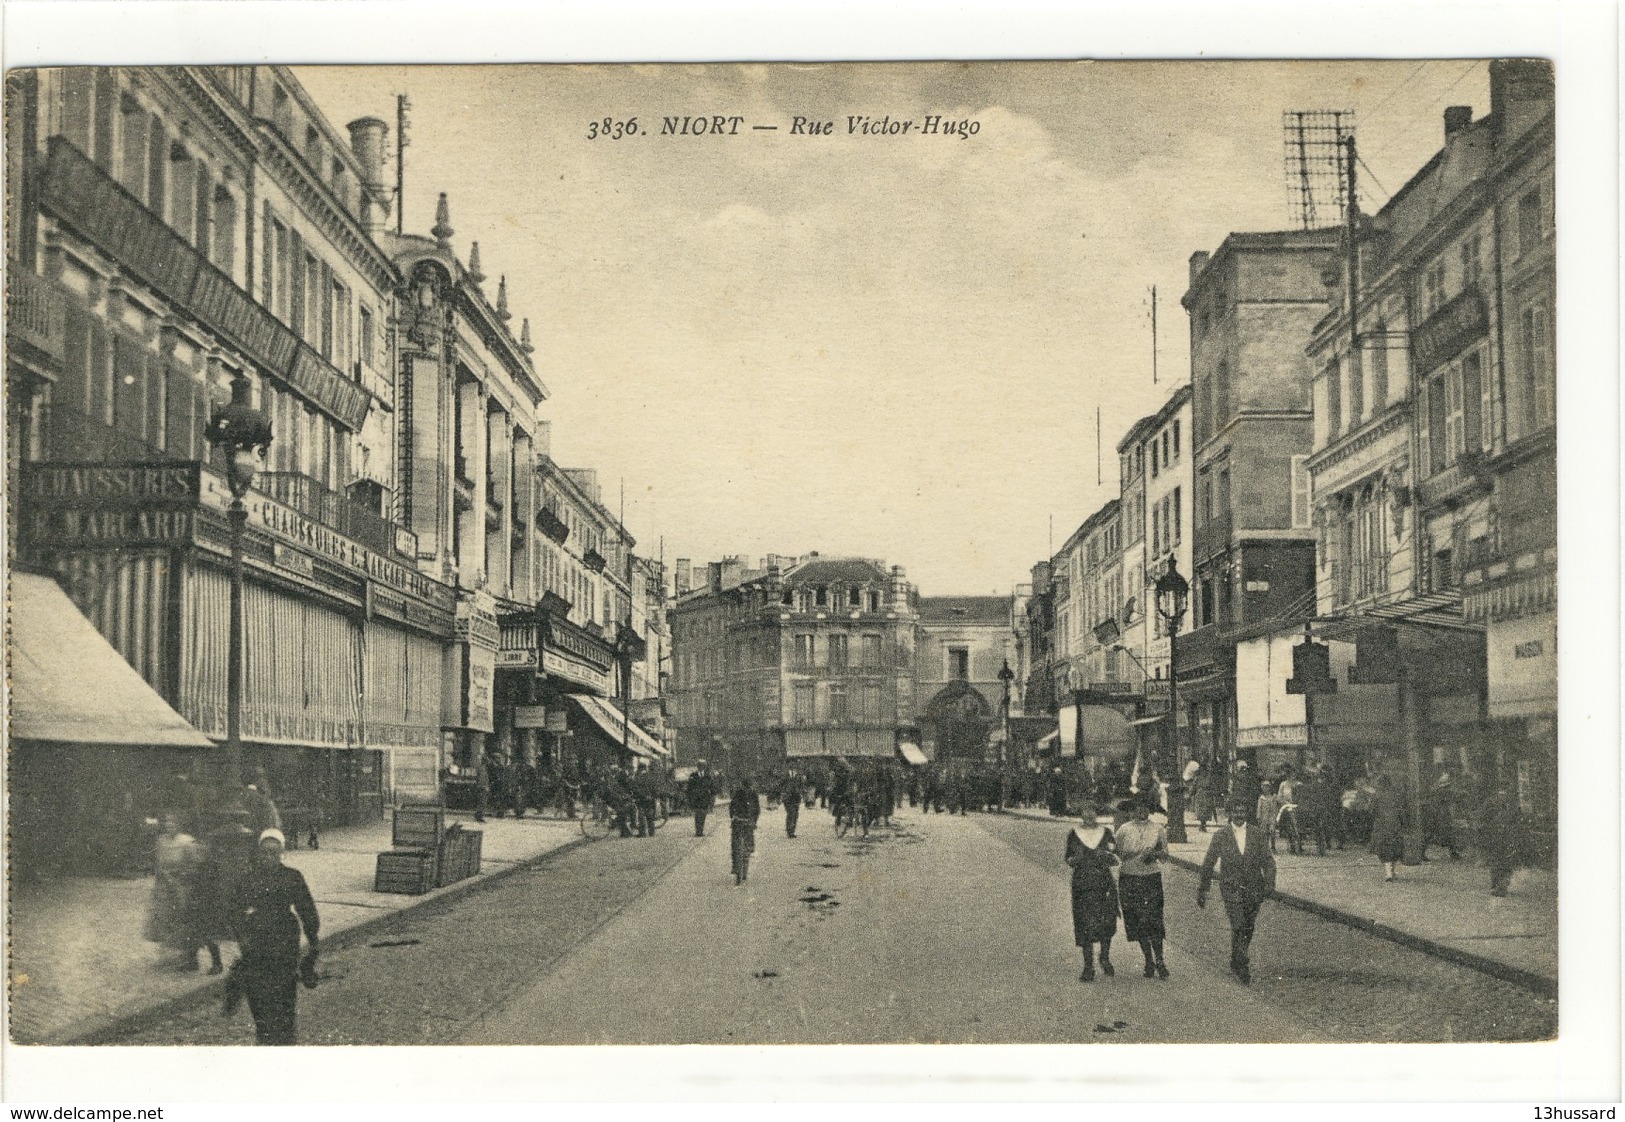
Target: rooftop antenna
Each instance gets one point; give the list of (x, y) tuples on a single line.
[(402, 104), (1312, 142), (1153, 335), (1099, 479)]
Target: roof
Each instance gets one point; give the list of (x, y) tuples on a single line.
[(69, 685), (984, 610), (1326, 237), (837, 570)]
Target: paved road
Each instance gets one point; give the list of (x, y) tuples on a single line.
[(939, 929)]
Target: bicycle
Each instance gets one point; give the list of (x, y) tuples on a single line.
[(598, 818)]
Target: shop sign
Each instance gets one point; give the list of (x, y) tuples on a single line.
[(1156, 687), (1445, 333), (575, 670), (291, 559), (516, 660), (530, 716), (479, 679), (557, 721), (1266, 735), (476, 624)]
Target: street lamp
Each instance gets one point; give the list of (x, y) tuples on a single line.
[(1173, 595), (1006, 676), (243, 434)]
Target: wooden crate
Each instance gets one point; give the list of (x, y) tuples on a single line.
[(459, 855), (406, 872), (418, 827)]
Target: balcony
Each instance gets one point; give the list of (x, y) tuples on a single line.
[(552, 525), (335, 511), (375, 383), (34, 316), (1456, 483), (593, 560)]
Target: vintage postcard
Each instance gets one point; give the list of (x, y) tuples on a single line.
[(743, 553)]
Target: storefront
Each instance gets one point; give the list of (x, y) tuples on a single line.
[(343, 644), (96, 755)]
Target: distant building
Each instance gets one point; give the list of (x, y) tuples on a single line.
[(797, 659), (962, 645)]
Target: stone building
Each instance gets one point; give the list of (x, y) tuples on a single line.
[(1253, 305), (799, 659), (962, 645), (181, 236)]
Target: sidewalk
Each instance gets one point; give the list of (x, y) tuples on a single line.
[(1442, 907), (78, 962)]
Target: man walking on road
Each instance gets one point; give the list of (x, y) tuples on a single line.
[(645, 793), (744, 808), (269, 908), (1246, 872), (702, 795), (790, 794)]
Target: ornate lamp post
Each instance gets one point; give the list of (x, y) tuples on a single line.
[(1173, 595), (1006, 677), (243, 434)]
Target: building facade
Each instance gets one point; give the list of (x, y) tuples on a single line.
[(181, 235), (804, 659), (962, 645), (1253, 305)]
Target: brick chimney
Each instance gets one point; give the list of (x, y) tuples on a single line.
[(1521, 93), (684, 574), (1199, 261), (1456, 118)]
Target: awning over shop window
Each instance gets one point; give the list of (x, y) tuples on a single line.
[(609, 719), (69, 685), (912, 754)]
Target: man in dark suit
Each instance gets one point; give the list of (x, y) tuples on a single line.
[(1246, 869), (702, 795)]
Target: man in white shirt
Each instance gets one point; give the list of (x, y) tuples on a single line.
[(1246, 872)]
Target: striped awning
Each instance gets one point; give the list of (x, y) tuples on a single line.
[(68, 684), (614, 724)]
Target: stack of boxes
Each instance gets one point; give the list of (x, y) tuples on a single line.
[(426, 854)]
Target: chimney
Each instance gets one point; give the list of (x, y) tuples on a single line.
[(713, 573), (1456, 118), (1199, 261), (1520, 94), (898, 592), (684, 573), (367, 142), (733, 568)]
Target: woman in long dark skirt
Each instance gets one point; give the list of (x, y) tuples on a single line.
[(1142, 847), (1388, 826), (1089, 850)]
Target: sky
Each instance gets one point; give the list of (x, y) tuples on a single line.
[(891, 346)]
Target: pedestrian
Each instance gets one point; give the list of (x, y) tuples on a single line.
[(1057, 792), (1286, 818), (1324, 811), (1089, 850), (262, 811), (1246, 873), (701, 790), (645, 791), (172, 915), (1357, 802), (1244, 785), (1500, 838), (790, 792), (271, 905), (1266, 811), (1387, 826), (744, 809), (1439, 817), (482, 784), (1205, 798), (522, 780), (1142, 849), (618, 795)]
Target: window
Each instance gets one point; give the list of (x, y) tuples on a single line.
[(1165, 460), (1221, 395), (1176, 439), (837, 651), (821, 596), (1205, 601), (874, 601), (182, 193), (1334, 400), (1531, 222), (1173, 525), (1433, 289), (870, 712), (1204, 504), (837, 703), (365, 331), (1471, 261), (959, 664), (870, 650), (1301, 493), (1378, 356), (1356, 392), (1532, 410), (1153, 459), (803, 713), (157, 168), (1472, 401), (854, 597), (804, 650), (1223, 497)]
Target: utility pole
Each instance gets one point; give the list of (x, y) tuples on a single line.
[(1353, 220), (402, 104), (1153, 335)]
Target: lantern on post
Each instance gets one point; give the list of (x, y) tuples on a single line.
[(1173, 597)]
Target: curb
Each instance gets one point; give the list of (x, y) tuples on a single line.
[(1538, 984), (106, 1029)]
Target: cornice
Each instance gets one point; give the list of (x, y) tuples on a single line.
[(1362, 438)]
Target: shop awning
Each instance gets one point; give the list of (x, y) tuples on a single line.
[(912, 754), (609, 719), (1138, 721), (69, 685)]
